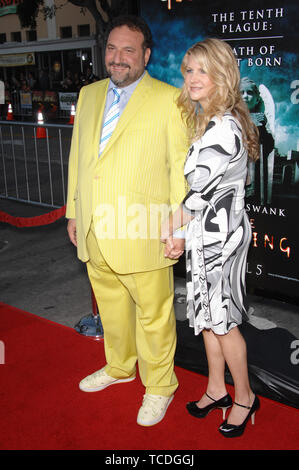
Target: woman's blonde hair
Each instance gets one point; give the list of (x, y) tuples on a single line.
[(217, 59)]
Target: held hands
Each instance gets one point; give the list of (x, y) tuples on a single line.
[(174, 247)]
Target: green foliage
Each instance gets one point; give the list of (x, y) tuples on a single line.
[(28, 11)]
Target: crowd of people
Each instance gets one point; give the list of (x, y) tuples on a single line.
[(72, 82), (75, 81)]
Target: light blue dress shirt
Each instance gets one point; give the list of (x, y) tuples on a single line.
[(124, 97)]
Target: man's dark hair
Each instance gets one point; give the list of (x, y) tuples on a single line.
[(136, 23)]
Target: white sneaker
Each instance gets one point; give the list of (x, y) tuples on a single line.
[(153, 409), (100, 380)]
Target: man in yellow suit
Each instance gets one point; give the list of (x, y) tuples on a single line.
[(126, 164)]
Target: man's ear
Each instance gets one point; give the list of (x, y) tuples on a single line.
[(147, 55)]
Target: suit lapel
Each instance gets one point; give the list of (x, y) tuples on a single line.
[(138, 98), (99, 107)]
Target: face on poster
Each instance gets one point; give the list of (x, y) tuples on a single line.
[(264, 38)]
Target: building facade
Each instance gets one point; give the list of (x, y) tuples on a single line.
[(60, 46)]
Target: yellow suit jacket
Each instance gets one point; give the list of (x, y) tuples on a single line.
[(139, 172)]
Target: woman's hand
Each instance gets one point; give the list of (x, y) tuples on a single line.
[(166, 230), (174, 247)]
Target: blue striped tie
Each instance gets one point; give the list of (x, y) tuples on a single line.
[(110, 120)]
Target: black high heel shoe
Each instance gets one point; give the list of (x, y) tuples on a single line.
[(224, 403), (233, 430)]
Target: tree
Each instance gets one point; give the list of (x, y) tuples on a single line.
[(102, 11)]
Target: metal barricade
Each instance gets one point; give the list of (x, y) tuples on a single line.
[(55, 104), (33, 167)]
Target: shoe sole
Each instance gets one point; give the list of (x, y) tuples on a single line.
[(102, 387), (156, 421)]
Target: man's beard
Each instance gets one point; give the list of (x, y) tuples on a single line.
[(114, 76)]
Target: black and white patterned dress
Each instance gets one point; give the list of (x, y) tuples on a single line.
[(218, 237)]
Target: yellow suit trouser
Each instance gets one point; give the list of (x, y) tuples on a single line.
[(138, 319)]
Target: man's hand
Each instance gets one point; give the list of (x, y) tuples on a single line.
[(174, 247), (71, 229)]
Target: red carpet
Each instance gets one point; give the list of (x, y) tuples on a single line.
[(42, 407)]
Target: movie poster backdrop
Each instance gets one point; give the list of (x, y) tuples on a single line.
[(264, 37)]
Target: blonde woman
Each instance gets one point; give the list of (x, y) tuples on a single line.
[(218, 231)]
